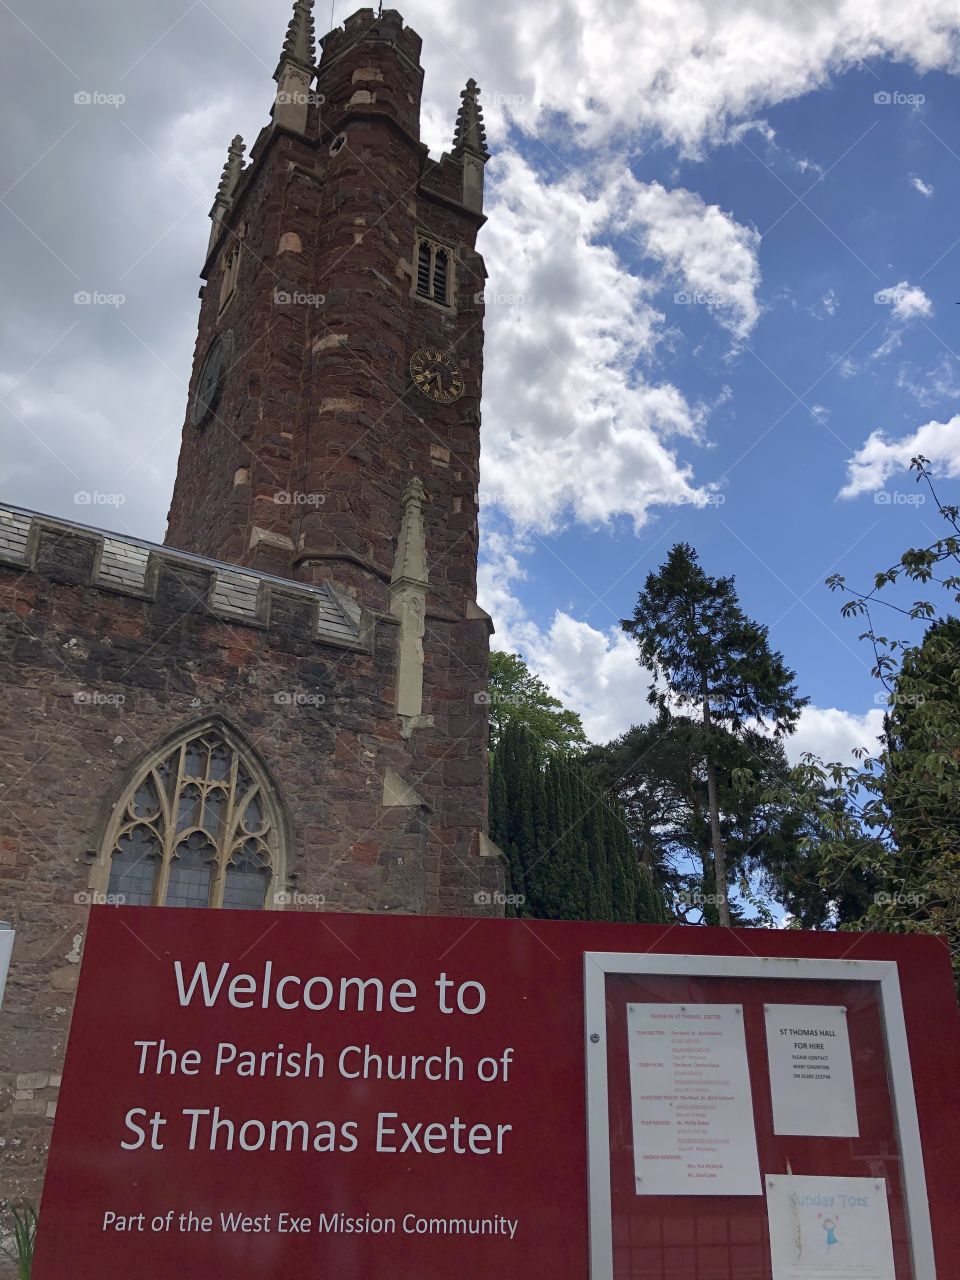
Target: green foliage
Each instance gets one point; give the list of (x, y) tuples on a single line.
[(568, 849), (715, 672), (517, 696), (900, 823), (657, 773), (23, 1236)]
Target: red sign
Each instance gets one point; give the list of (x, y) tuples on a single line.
[(320, 1095)]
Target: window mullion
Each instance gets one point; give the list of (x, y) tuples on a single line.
[(226, 831), (170, 830)]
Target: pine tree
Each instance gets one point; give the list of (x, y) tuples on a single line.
[(713, 662)]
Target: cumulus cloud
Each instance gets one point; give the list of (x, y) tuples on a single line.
[(682, 69), (906, 301), (574, 425), (879, 458), (832, 734), (924, 188)]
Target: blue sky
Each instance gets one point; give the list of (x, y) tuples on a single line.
[(852, 198), (692, 207)]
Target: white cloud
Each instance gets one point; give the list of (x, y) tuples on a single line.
[(832, 734), (907, 301), (591, 669), (684, 69), (573, 425), (878, 459), (713, 255), (924, 188)]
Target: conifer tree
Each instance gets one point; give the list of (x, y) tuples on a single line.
[(568, 849), (714, 663)]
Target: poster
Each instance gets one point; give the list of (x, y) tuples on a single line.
[(825, 1228), (693, 1128), (811, 1071)]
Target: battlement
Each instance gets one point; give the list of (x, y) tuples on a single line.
[(365, 24), (80, 555)]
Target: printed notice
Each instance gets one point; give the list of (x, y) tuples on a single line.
[(693, 1130), (811, 1072), (829, 1228)]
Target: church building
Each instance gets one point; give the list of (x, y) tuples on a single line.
[(283, 707)]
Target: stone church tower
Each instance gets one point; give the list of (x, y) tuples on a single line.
[(283, 707)]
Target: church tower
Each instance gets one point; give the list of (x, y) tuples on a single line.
[(337, 373), (283, 708)]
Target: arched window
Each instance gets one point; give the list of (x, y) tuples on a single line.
[(433, 278), (231, 270), (199, 825)]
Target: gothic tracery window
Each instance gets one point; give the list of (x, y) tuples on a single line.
[(197, 827), (433, 277)]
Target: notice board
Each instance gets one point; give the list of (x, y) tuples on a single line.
[(260, 1094)]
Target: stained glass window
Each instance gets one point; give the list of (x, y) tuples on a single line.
[(196, 828)]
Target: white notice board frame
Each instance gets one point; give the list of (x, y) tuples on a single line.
[(598, 964), (6, 951)]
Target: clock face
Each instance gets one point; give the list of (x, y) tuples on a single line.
[(209, 384), (436, 375)]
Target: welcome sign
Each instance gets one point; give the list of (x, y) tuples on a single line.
[(261, 1094)]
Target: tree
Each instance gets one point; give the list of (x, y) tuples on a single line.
[(568, 850), (517, 696), (893, 827), (656, 771), (712, 662)]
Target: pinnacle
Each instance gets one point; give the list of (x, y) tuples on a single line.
[(414, 492), (232, 169), (300, 44), (470, 134)]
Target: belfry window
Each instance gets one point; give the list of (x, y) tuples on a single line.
[(199, 826), (433, 276)]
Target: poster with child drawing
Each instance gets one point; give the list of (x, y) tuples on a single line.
[(829, 1228)]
